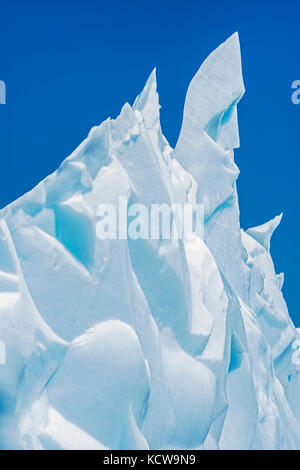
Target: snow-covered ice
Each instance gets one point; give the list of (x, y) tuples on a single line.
[(146, 344)]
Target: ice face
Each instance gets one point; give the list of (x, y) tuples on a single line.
[(146, 343)]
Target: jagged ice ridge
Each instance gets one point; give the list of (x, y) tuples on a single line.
[(138, 344)]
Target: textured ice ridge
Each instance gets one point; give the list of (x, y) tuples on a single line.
[(137, 344)]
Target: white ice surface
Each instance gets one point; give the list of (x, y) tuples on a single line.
[(138, 344)]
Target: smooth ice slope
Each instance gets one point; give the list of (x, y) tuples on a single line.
[(138, 344)]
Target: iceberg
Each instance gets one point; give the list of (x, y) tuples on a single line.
[(139, 342)]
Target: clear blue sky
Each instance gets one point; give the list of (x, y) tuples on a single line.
[(69, 65)]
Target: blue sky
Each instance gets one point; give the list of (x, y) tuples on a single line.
[(68, 65)]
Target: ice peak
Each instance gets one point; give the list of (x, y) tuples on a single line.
[(213, 95), (147, 101), (263, 233), (232, 42), (195, 318), (209, 130)]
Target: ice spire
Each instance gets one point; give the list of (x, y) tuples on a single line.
[(263, 233), (213, 95), (147, 101), (153, 323), (205, 146), (209, 130)]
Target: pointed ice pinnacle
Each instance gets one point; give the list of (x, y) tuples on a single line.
[(199, 322), (213, 95), (147, 101), (209, 130), (263, 233)]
